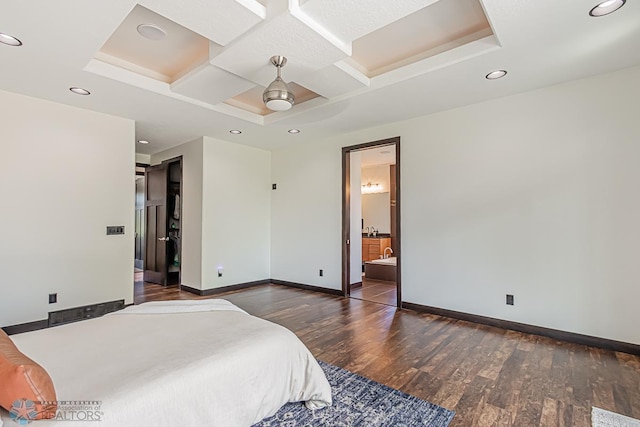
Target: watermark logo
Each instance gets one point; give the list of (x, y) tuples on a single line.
[(23, 411), (79, 410)]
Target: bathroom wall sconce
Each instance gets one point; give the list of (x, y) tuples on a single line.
[(370, 188)]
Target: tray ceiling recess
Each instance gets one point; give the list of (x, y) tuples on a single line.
[(217, 54)]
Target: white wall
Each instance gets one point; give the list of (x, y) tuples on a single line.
[(306, 230), (191, 205), (236, 231), (534, 194), (376, 207), (67, 174), (376, 211), (378, 174)]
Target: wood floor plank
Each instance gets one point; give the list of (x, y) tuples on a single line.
[(489, 376)]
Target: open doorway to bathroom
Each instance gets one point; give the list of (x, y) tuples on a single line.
[(371, 222), (139, 223)]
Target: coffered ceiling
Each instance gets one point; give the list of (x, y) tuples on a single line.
[(351, 63)]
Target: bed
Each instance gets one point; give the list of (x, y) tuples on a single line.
[(176, 363)]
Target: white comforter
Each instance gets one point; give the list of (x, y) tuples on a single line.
[(178, 363)]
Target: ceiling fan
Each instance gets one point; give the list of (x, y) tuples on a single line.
[(277, 96)]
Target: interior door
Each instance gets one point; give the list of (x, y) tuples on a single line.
[(155, 266)]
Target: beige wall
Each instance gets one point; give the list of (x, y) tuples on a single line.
[(236, 214), (67, 173), (534, 195)]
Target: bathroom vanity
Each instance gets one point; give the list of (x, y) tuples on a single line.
[(373, 247)]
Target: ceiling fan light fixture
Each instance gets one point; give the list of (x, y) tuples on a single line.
[(277, 96)]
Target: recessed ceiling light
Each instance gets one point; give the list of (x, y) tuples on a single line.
[(79, 91), (10, 40), (151, 32), (496, 74), (607, 7), (142, 141), (294, 131), (235, 131)]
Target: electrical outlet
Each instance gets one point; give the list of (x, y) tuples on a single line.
[(321, 273), (53, 298), (274, 186), (220, 269), (509, 299), (115, 229)]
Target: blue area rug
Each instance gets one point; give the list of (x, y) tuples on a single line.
[(359, 401)]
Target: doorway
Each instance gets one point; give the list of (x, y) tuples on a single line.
[(371, 250), (163, 219), (139, 217), (139, 245)]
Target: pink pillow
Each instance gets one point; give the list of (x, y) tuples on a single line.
[(22, 380)]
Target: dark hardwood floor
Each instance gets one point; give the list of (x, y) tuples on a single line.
[(489, 376), (376, 291)]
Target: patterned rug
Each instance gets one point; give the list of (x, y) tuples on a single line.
[(358, 401), (602, 418)]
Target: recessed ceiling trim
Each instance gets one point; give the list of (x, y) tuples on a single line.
[(9, 40), (436, 51), (350, 20), (255, 7), (435, 62), (606, 7), (495, 75), (79, 91), (110, 71), (355, 72), (248, 107), (296, 11), (119, 62)]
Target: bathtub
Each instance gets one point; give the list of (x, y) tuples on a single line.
[(385, 261), (381, 269)]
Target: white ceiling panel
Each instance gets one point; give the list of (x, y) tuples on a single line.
[(349, 20), (221, 21), (335, 80), (306, 51), (211, 84)]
